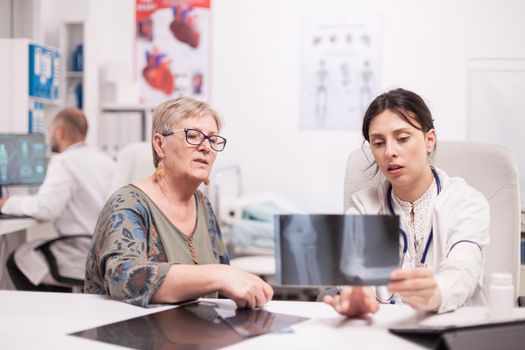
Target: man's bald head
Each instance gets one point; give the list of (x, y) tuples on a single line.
[(74, 121), (69, 126)]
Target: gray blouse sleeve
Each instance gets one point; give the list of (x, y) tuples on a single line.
[(127, 255)]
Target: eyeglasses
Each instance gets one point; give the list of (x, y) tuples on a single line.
[(196, 137)]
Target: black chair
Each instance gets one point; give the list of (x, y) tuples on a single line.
[(62, 283)]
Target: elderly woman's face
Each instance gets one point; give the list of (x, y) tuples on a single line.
[(183, 160)]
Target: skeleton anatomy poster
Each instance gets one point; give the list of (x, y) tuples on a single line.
[(172, 45), (339, 71)]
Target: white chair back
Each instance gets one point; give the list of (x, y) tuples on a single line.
[(134, 162)]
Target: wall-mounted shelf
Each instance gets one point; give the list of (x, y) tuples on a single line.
[(74, 74), (45, 101), (72, 45), (113, 136), (119, 107)]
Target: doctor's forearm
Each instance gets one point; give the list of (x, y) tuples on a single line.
[(33, 206)]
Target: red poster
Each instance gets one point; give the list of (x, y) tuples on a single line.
[(173, 45)]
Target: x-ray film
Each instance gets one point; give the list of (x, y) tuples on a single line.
[(198, 326), (330, 250)]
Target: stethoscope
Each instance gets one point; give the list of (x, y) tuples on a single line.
[(402, 232), (405, 236)]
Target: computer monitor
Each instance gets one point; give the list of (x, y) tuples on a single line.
[(22, 159)]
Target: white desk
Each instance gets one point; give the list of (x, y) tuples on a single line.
[(12, 234), (43, 320), (260, 265), (15, 225)]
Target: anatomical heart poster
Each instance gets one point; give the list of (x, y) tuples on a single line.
[(172, 46)]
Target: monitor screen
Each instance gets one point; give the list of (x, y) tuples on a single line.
[(22, 159)]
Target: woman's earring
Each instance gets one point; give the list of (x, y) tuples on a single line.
[(160, 173), (206, 181)]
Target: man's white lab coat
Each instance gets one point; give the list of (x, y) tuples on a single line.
[(75, 189)]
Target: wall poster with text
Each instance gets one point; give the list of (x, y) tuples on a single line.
[(173, 48), (339, 71)]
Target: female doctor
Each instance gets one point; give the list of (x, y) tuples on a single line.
[(444, 222)]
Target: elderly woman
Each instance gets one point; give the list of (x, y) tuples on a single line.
[(157, 240)]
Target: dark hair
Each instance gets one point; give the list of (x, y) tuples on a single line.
[(406, 104)]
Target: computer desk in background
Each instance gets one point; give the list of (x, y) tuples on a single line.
[(13, 232), (44, 320)]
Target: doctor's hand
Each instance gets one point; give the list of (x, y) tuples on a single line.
[(354, 301), (417, 286)]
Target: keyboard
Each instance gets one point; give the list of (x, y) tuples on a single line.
[(9, 216)]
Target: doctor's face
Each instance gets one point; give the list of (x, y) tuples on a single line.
[(185, 161), (400, 149)]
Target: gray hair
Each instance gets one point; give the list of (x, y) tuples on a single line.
[(171, 112)]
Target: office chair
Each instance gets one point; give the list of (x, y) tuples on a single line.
[(58, 281), (492, 170)]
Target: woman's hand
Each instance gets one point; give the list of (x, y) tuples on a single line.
[(354, 301), (417, 286), (245, 289)]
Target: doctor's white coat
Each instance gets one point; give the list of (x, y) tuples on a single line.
[(460, 223)]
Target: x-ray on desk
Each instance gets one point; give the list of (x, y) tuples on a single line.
[(45, 320)]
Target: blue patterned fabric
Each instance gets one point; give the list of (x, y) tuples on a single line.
[(127, 260)]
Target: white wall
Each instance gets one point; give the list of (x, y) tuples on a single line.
[(6, 21), (109, 37), (108, 28), (256, 82), (21, 19)]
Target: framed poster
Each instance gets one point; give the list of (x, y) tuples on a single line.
[(172, 49), (339, 71)]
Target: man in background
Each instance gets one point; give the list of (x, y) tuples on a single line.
[(75, 188)]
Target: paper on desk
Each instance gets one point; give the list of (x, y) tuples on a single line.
[(459, 317), (467, 316)]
